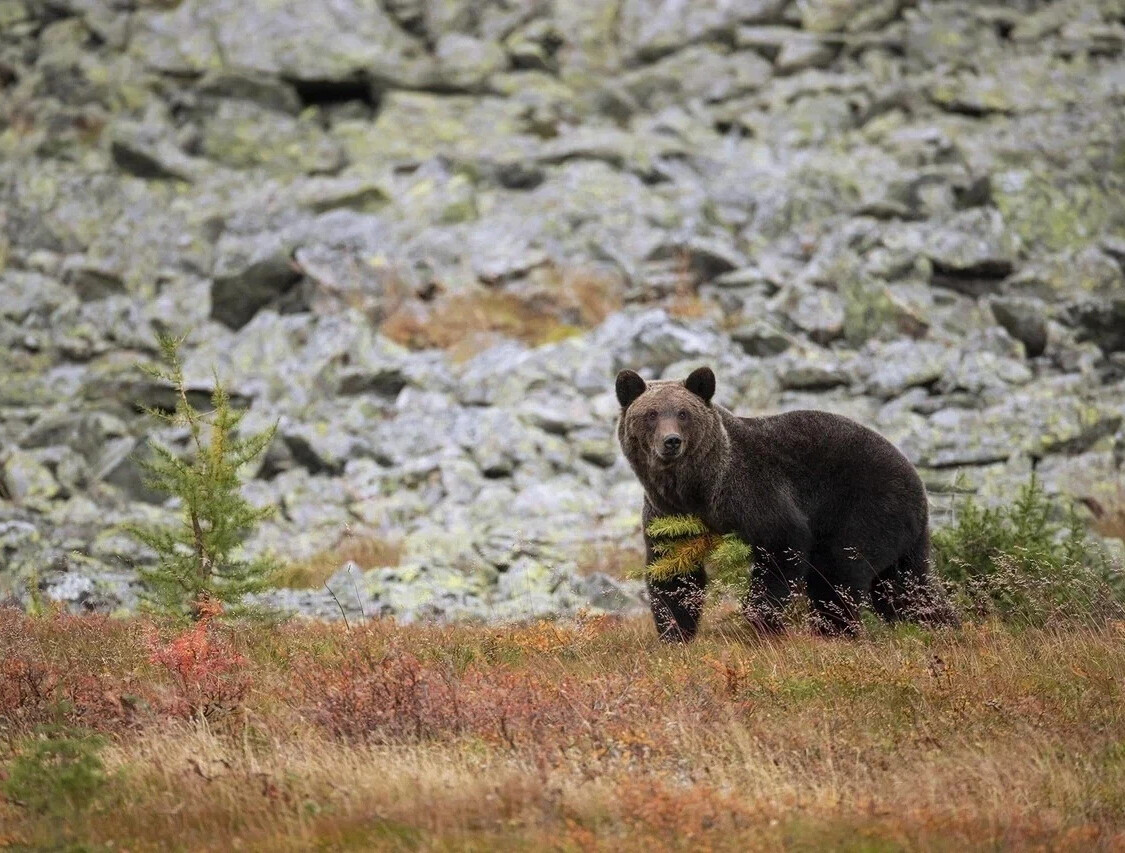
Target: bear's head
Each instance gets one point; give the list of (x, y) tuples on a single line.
[(665, 423)]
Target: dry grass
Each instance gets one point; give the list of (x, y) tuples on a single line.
[(585, 737), (688, 306), (367, 552), (558, 304), (618, 560)]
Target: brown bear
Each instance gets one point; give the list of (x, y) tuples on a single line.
[(821, 500)]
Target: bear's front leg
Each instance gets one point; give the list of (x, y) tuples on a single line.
[(677, 603)]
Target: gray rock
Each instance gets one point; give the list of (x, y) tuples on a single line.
[(606, 593), (900, 365), (242, 135), (1022, 84), (811, 369), (1076, 275), (16, 535), (496, 441), (250, 272), (654, 340), (977, 371), (850, 15), (29, 294), (91, 280), (704, 72), (819, 313), (466, 63), (262, 89), (556, 413), (596, 444), (761, 338), (973, 251), (693, 262), (1101, 321), (941, 32), (654, 27), (338, 280), (120, 464), (1025, 320), (146, 152), (354, 190), (26, 479), (535, 46), (1048, 210), (414, 127), (791, 50), (279, 39), (85, 432)]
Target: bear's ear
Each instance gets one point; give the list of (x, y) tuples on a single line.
[(701, 383), (629, 387)]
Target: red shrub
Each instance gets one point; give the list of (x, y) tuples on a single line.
[(208, 673), (61, 669), (387, 694), (381, 697)]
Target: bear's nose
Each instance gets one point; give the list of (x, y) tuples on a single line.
[(672, 443)]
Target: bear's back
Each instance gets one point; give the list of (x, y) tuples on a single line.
[(833, 462)]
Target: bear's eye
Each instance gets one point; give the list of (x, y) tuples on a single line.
[(683, 414), (650, 417)]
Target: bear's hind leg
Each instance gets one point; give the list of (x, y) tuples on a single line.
[(772, 583), (676, 604), (835, 609), (909, 591)]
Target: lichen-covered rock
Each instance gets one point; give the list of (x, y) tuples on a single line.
[(278, 38), (27, 479), (973, 251), (250, 273), (900, 365), (1101, 321), (654, 27), (1025, 320), (906, 213), (242, 135), (850, 15), (703, 72), (145, 151)]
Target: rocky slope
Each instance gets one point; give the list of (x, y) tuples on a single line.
[(424, 234)]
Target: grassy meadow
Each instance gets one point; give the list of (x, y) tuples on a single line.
[(130, 734)]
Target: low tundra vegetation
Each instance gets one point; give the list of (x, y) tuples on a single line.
[(143, 734), (1031, 561)]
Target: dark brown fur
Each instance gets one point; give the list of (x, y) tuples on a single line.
[(822, 500)]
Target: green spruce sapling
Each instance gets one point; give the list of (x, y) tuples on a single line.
[(199, 560), (682, 543)]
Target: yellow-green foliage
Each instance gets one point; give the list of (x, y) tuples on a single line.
[(199, 559), (684, 544)]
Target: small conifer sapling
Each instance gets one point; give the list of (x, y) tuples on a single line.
[(683, 543), (199, 560)]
